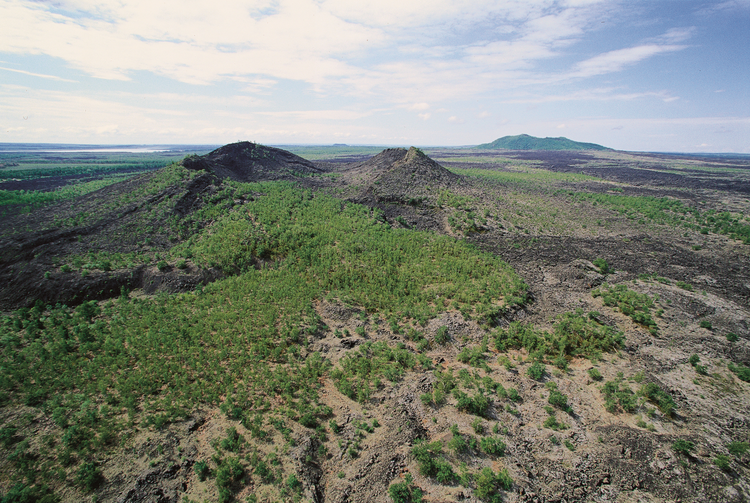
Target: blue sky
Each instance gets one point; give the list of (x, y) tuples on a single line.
[(655, 75)]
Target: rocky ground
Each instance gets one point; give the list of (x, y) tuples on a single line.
[(598, 456)]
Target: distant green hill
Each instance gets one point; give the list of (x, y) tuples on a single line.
[(526, 142)]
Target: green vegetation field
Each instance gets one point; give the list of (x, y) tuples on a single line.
[(97, 369)]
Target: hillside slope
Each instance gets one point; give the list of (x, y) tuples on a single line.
[(478, 329), (96, 245), (526, 142)]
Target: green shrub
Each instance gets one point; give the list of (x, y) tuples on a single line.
[(441, 336), (618, 394), (682, 446), (741, 371), (635, 305), (602, 265), (229, 473), (358, 371), (492, 446), (308, 420), (431, 462), (489, 483), (477, 426), (162, 265), (685, 286), (513, 395), (553, 424), (233, 441), (738, 448), (20, 493), (457, 444), (732, 337), (406, 491), (293, 483), (477, 404), (574, 334), (536, 371), (694, 360), (8, 436), (202, 470), (722, 461), (706, 324), (661, 398), (559, 400), (594, 374), (89, 476), (474, 356)]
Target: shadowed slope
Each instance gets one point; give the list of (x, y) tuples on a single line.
[(250, 162)]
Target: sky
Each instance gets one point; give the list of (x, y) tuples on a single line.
[(638, 75)]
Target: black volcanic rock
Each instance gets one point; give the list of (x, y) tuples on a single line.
[(397, 173), (250, 162)]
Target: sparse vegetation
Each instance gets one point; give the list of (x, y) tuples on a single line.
[(296, 323), (635, 305), (602, 265), (682, 446)]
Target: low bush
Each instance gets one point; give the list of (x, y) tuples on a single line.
[(660, 397), (741, 371), (89, 476), (722, 461), (489, 484), (441, 336), (492, 446), (536, 371), (477, 404), (406, 491), (683, 446), (553, 424), (202, 470), (738, 448), (229, 474), (574, 334), (618, 394), (602, 265), (594, 374), (635, 305), (431, 463)]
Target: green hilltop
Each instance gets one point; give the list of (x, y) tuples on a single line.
[(526, 142)]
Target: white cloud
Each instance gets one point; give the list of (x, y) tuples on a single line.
[(598, 94), (296, 67), (41, 75), (615, 61), (335, 115), (187, 41), (418, 106), (727, 6)]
